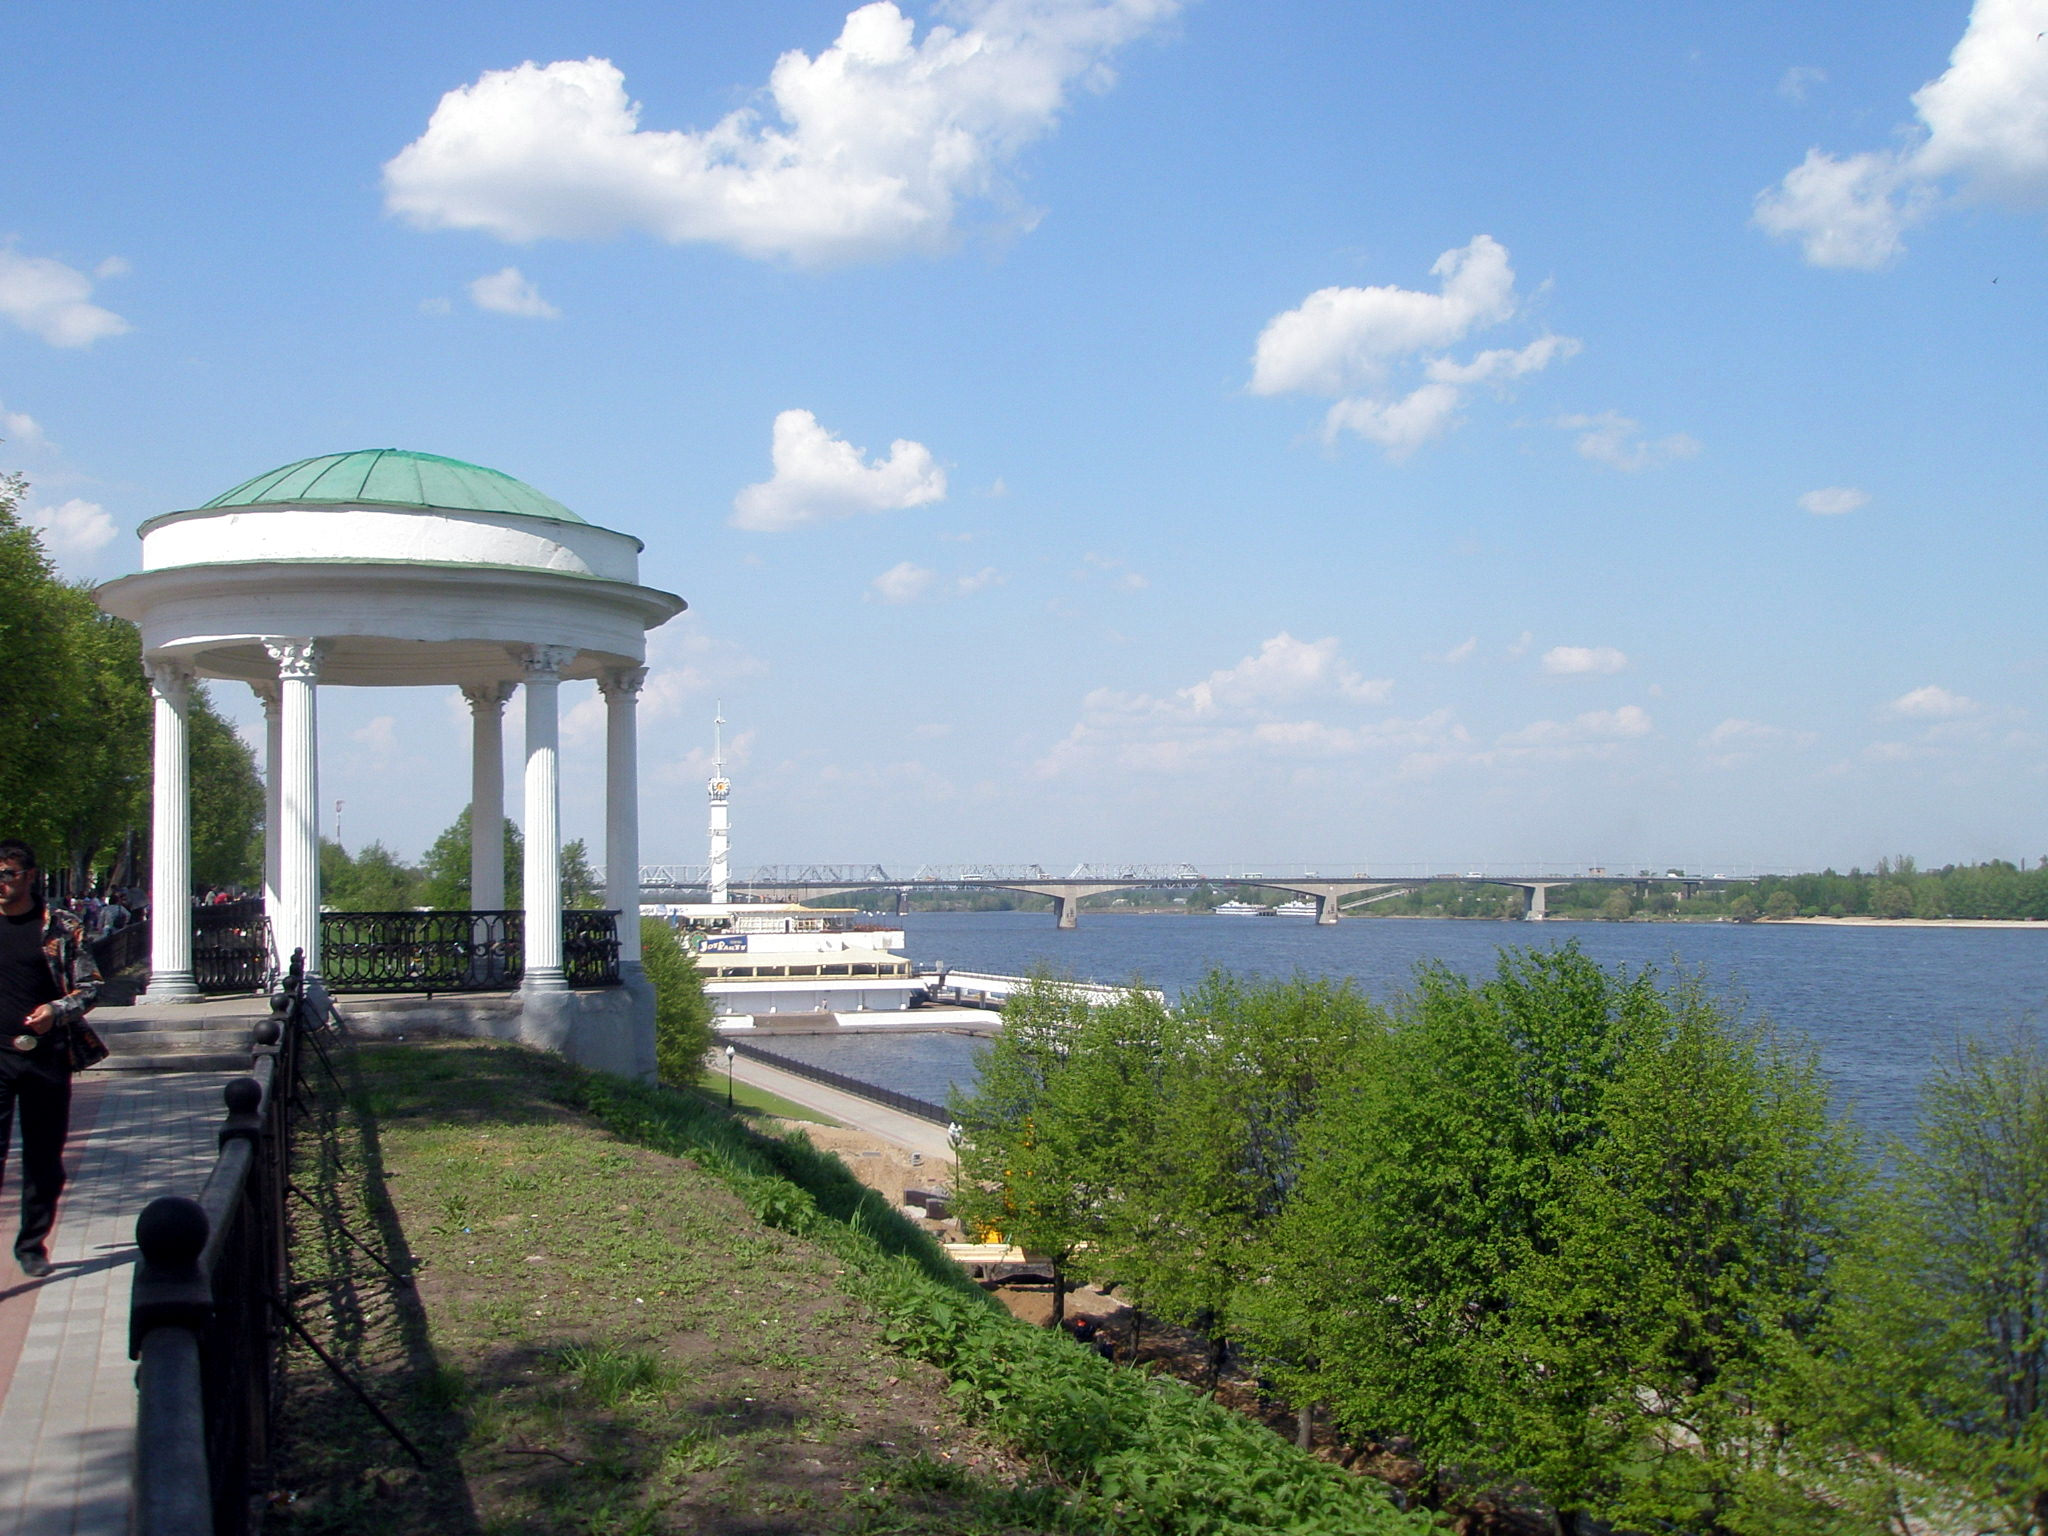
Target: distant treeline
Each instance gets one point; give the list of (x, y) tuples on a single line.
[(374, 879), (1575, 1246)]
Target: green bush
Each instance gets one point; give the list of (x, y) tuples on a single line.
[(682, 1013)]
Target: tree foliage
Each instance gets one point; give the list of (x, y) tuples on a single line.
[(77, 716), (1579, 1236), (682, 1013), (445, 870), (1940, 1365)]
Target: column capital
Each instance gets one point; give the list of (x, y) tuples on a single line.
[(625, 681), (544, 663), (297, 660), (487, 696), (267, 691), (169, 678)]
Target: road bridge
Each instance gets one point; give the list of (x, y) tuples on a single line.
[(807, 882)]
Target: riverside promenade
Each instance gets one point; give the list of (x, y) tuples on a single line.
[(67, 1386)]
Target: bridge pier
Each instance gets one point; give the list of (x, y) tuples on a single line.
[(1533, 894), (1328, 895), (1067, 908)]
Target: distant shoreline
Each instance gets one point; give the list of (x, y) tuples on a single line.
[(1914, 922), (1773, 922)]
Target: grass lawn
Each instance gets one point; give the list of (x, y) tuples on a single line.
[(753, 1103), (600, 1339)]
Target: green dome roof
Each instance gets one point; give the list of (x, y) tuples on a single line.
[(391, 477)]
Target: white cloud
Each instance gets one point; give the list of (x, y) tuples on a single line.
[(436, 306), (22, 429), (1257, 705), (1617, 441), (867, 150), (1461, 652), (1348, 343), (1339, 338), (1846, 211), (1982, 131), (1582, 660), (904, 583), (72, 530), (48, 299), (1798, 80), (1598, 725), (378, 738), (908, 582), (1497, 365), (1834, 500), (819, 477), (1931, 703), (508, 292), (1400, 425), (987, 576)]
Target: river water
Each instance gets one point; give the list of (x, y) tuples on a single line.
[(1879, 1004)]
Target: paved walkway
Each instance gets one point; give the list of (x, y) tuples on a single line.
[(891, 1125), (67, 1387)]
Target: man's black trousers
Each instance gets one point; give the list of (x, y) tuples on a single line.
[(37, 1086)]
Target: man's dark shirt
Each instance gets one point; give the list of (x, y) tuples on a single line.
[(25, 981)]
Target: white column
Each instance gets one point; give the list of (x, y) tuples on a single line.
[(543, 668), (298, 861), (273, 766), (170, 840), (487, 794), (621, 692)]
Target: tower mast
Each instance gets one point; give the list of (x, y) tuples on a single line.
[(719, 879)]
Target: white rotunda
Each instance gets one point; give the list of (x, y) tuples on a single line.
[(386, 568)]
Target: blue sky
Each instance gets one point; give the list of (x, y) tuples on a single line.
[(1119, 429)]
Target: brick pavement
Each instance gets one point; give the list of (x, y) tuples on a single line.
[(67, 1387)]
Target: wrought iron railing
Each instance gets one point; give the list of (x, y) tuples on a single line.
[(125, 947), (231, 946), (590, 948), (456, 951)]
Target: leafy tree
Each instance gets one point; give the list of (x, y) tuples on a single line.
[(682, 1013), (1619, 907), (1243, 1066), (1026, 1155), (227, 799), (445, 870), (581, 887), (375, 880), (1781, 905), (76, 712), (1561, 1228), (1687, 1268), (1939, 1382)]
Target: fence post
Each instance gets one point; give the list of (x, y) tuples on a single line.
[(171, 1305)]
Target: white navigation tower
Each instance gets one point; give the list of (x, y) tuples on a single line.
[(720, 877)]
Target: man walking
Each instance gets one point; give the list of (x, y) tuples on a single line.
[(48, 980)]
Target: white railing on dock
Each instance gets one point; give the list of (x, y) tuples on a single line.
[(985, 989)]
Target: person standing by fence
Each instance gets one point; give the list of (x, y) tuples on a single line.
[(48, 979)]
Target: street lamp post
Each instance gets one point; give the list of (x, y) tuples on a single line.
[(730, 1052)]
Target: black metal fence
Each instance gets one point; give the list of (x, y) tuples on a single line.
[(924, 1109), (201, 1323), (231, 946), (213, 1298), (124, 947), (456, 951)]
